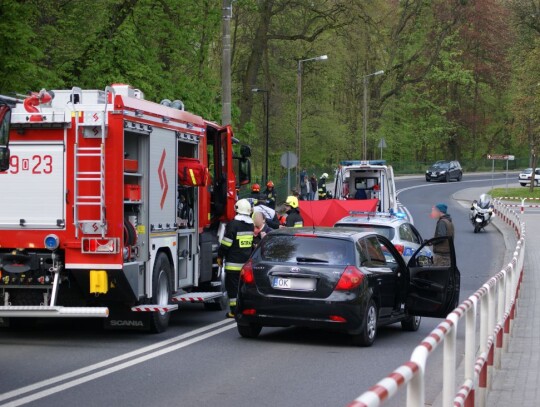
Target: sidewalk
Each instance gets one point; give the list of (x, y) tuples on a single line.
[(517, 382)]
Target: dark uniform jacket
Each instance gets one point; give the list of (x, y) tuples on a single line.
[(322, 188), (236, 245), (294, 219), (270, 198), (444, 227)]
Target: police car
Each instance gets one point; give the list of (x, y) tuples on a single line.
[(395, 227)]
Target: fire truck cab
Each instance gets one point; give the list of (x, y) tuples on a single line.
[(374, 179), (114, 206), (5, 118)]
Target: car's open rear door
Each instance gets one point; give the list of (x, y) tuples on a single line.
[(433, 290)]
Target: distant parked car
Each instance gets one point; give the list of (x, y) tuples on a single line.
[(397, 229), (525, 176), (340, 279), (444, 171)]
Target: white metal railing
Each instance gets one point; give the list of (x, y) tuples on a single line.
[(496, 300)]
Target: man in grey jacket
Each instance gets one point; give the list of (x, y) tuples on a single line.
[(444, 227)]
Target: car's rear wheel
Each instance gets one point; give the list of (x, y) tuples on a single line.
[(249, 331), (411, 323), (369, 329), (523, 184)]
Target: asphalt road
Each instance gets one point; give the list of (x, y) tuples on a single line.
[(201, 360)]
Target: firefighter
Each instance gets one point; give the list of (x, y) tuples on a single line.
[(322, 186), (235, 249), (270, 195), (255, 192), (294, 219)]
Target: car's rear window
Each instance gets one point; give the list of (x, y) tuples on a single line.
[(386, 231), (299, 249)]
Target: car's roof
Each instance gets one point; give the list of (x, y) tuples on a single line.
[(390, 221), (322, 232)]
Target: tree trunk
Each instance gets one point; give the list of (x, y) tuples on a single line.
[(258, 47)]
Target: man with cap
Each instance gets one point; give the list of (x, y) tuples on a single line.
[(444, 227), (294, 219), (235, 248)]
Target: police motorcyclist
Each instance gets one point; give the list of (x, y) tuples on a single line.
[(294, 219), (235, 249), (270, 195), (322, 186)]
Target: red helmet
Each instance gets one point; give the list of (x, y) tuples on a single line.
[(269, 184), (255, 188)]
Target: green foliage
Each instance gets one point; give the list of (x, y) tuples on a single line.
[(460, 77), (518, 193)]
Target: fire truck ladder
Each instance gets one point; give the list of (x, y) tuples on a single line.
[(93, 121)]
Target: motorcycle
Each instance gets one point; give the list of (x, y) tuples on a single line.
[(481, 212)]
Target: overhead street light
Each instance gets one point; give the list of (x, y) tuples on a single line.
[(267, 113), (299, 106), (365, 114)]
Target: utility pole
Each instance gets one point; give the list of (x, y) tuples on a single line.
[(365, 113), (226, 63)]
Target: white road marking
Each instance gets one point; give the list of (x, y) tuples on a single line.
[(411, 219), (167, 345)]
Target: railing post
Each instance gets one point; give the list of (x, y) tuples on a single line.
[(500, 318), (449, 364), (416, 388), (470, 339)]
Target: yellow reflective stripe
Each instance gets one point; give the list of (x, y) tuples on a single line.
[(227, 242), (298, 224), (233, 268), (232, 302), (192, 176), (245, 241)]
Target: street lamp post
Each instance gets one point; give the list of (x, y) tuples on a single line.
[(266, 142), (365, 110), (299, 106)]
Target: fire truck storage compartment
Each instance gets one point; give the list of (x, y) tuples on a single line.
[(33, 190), (185, 258), (135, 201)]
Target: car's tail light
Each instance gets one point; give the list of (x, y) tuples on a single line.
[(350, 279), (337, 318), (249, 311), (246, 274), (400, 248)]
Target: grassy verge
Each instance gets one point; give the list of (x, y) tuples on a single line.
[(518, 193)]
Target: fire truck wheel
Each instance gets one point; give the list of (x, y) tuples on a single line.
[(161, 292)]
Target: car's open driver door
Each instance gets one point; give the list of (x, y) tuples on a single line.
[(433, 290)]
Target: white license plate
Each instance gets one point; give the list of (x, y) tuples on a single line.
[(301, 284)]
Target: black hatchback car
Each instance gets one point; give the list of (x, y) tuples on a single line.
[(444, 171), (343, 280)]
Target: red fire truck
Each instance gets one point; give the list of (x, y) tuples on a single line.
[(113, 206)]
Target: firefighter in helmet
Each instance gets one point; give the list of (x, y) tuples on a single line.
[(235, 249), (270, 195), (255, 192), (322, 186), (294, 219)]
